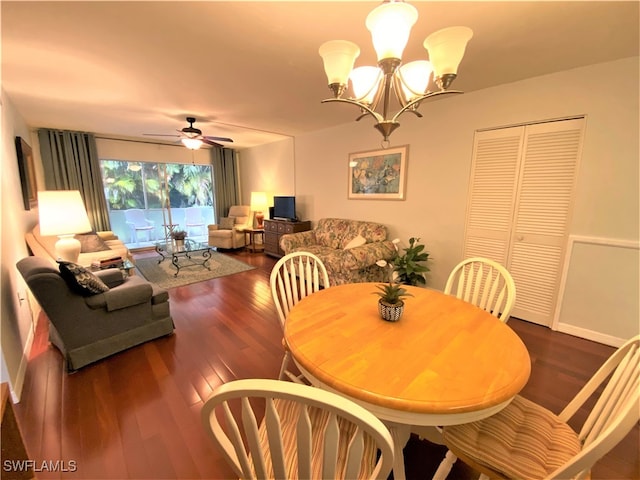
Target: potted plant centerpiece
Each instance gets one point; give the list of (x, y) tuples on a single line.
[(404, 269), (390, 303)]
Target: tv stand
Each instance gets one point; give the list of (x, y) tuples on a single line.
[(274, 229)]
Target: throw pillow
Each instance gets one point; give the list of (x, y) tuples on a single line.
[(356, 242), (91, 242), (81, 280), (226, 223)]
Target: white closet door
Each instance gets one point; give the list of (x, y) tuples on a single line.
[(492, 193), (542, 214)]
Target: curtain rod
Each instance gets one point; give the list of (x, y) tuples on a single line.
[(137, 141)]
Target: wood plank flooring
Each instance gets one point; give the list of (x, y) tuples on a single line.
[(136, 415)]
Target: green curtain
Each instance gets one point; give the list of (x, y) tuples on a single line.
[(70, 162), (225, 180)]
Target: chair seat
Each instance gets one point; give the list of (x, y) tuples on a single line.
[(289, 414), (524, 440)]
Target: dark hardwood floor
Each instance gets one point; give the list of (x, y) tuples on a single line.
[(136, 415)]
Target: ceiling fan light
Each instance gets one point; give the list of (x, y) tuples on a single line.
[(192, 143), (415, 77), (446, 48), (364, 82), (390, 25), (338, 57)]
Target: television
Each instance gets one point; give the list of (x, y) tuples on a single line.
[(284, 208)]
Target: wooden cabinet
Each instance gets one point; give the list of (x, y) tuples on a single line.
[(274, 229)]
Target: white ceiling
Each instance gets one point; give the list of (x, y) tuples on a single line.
[(251, 70)]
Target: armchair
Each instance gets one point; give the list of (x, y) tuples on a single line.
[(137, 222), (89, 327), (229, 232), (193, 218), (349, 249)]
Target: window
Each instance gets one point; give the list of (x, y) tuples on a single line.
[(163, 190)]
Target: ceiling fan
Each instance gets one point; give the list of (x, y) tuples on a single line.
[(192, 137)]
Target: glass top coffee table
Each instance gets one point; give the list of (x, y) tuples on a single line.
[(187, 254)]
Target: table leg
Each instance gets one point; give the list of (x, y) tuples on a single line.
[(400, 434), (445, 466)]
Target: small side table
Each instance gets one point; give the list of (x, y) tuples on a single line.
[(250, 238)]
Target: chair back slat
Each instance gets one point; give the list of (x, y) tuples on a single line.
[(234, 442), (305, 445), (484, 283), (354, 454), (274, 436), (305, 433), (330, 454), (253, 437)]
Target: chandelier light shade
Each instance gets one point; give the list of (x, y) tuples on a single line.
[(192, 143), (390, 25), (62, 213)]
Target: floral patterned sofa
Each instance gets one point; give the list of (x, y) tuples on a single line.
[(348, 248)]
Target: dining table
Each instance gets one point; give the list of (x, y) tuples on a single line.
[(445, 362)]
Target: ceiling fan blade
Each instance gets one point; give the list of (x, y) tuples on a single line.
[(220, 139), (160, 135), (211, 142)]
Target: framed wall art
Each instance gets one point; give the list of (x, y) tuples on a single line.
[(378, 174), (27, 174)]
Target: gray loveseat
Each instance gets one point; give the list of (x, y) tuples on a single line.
[(87, 328)]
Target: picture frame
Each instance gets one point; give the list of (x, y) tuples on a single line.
[(27, 174), (378, 174)]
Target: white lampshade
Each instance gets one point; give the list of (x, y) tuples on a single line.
[(338, 57), (446, 48), (390, 25), (364, 81), (258, 201), (415, 78), (192, 143), (62, 213)]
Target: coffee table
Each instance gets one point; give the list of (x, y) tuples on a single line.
[(189, 254)]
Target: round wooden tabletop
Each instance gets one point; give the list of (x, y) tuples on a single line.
[(444, 356)]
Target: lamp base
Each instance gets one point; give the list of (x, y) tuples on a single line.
[(67, 248), (259, 219)]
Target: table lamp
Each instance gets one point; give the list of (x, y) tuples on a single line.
[(62, 213), (259, 205)]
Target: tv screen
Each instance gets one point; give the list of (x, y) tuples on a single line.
[(284, 208)]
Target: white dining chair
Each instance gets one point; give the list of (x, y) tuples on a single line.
[(305, 432), (136, 220), (294, 277), (193, 218), (484, 283), (525, 440)]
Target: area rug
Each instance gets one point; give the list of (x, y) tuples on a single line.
[(162, 274)]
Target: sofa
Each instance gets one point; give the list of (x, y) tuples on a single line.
[(92, 319), (229, 231), (349, 249), (95, 246)]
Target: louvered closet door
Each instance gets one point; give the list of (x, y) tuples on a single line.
[(542, 215), (520, 198), (492, 193)]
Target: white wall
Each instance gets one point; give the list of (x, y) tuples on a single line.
[(15, 316), (440, 147), (268, 168)]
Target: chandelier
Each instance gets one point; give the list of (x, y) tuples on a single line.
[(390, 24)]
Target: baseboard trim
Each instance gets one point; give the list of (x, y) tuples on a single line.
[(16, 388), (591, 335)]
